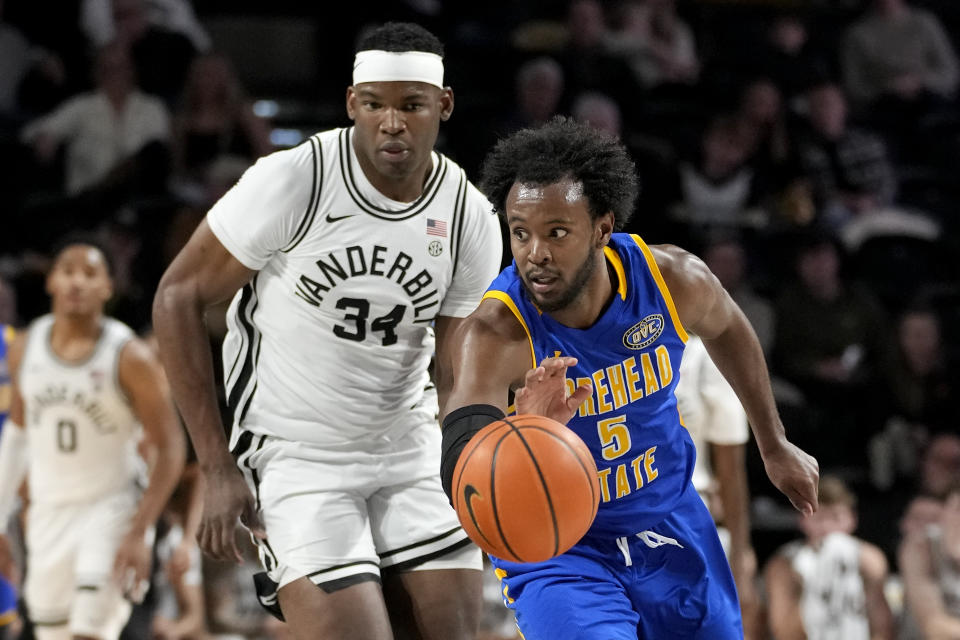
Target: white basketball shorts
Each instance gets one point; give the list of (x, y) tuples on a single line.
[(70, 554), (340, 517)]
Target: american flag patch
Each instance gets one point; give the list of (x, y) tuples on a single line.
[(436, 228)]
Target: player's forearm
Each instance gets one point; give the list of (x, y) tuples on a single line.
[(188, 362), (166, 471), (738, 355)]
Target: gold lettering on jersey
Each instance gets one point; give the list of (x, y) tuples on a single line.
[(360, 260), (621, 384), (627, 477)]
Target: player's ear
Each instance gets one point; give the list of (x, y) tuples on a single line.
[(351, 103), (603, 229), (446, 103)]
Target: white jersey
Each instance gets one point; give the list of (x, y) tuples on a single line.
[(833, 605), (710, 409), (82, 434), (330, 342)]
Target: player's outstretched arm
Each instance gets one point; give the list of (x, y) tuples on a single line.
[(704, 307), (203, 273), (491, 356), (142, 380)]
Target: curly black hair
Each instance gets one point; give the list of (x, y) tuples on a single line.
[(564, 148), (400, 37)]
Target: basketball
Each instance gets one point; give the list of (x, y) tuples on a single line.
[(525, 488)]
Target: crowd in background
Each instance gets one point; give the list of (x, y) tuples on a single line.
[(805, 150)]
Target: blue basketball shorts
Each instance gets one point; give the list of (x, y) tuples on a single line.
[(8, 602), (672, 581)]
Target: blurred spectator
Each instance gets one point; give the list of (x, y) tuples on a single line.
[(718, 426), (214, 118), (929, 559), (718, 187), (920, 391), (726, 257), (849, 169), (586, 59), (19, 59), (898, 58), (788, 56), (658, 45), (599, 111), (98, 21), (830, 341), (161, 37), (538, 90), (830, 585), (761, 110), (106, 131)]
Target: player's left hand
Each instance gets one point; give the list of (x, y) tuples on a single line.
[(131, 566), (795, 473), (544, 391)]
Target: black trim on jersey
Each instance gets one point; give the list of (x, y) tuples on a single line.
[(253, 472), (430, 190), (315, 189), (421, 543), (242, 446), (88, 587), (416, 562), (250, 335), (459, 221), (341, 566)]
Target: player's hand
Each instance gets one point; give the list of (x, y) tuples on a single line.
[(544, 391), (131, 566), (795, 473), (227, 501)]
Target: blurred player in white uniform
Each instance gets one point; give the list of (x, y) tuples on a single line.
[(829, 586), (85, 391), (351, 259), (718, 426)]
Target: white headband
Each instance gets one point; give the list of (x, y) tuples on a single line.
[(389, 66)]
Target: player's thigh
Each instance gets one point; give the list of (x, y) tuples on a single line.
[(49, 586), (435, 604), (555, 603), (355, 612), (99, 613)]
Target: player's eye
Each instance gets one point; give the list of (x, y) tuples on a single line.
[(370, 104), (559, 232), (519, 234)]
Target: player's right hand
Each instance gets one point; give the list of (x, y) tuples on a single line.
[(227, 502), (544, 391)]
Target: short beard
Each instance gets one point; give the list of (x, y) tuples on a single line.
[(580, 279)]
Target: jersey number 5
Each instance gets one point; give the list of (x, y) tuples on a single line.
[(360, 309)]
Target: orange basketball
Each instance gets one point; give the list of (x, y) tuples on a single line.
[(525, 488)]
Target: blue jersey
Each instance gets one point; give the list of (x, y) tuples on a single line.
[(631, 356)]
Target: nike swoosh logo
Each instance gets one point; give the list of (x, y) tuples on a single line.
[(330, 218), (468, 493)]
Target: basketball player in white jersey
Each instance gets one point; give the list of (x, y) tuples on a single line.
[(829, 586), (351, 259), (929, 560), (717, 423), (85, 391)]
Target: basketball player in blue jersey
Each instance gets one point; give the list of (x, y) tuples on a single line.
[(606, 317), (8, 593)]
